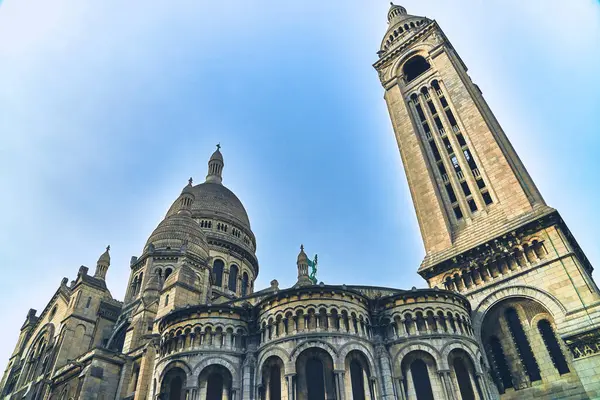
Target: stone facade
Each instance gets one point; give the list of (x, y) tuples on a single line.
[(511, 311)]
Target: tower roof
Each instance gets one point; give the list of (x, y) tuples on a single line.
[(402, 25), (105, 257)]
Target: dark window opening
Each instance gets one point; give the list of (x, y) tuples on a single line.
[(443, 101), (420, 376), (442, 169), (315, 379), (426, 127), (451, 194), (502, 374), (435, 84), (214, 389), (435, 151), (487, 198), (218, 272), (458, 213), (472, 205), (455, 163), (438, 123), (275, 383), (233, 275), (480, 183), (523, 347), (451, 118), (415, 67), (357, 380), (245, 284), (420, 112), (461, 140), (470, 159), (464, 381), (431, 107), (448, 145), (465, 188), (556, 354)]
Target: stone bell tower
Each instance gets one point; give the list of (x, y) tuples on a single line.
[(486, 229)]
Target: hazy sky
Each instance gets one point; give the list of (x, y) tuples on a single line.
[(108, 107)]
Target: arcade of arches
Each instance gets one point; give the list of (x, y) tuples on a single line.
[(315, 378)]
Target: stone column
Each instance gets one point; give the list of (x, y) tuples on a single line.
[(145, 372), (447, 384), (385, 367), (399, 385), (248, 377), (291, 386), (481, 386), (339, 385)]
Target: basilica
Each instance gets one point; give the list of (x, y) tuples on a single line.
[(509, 311)]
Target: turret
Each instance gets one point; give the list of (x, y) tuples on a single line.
[(302, 263), (103, 264)]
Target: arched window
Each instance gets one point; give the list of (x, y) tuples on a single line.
[(358, 383), (415, 67), (464, 381), (233, 275), (89, 301), (173, 384), (214, 389), (523, 347), (52, 313), (314, 379), (218, 272), (166, 300), (275, 383), (556, 354), (168, 272), (420, 378), (244, 284)]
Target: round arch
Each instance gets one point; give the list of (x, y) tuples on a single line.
[(422, 346), (419, 50), (197, 370), (273, 351), (554, 307), (457, 345), (175, 364), (351, 346), (307, 345)]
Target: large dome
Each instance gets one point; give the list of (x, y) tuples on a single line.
[(214, 199)]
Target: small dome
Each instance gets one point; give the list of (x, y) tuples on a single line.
[(105, 257), (188, 188), (395, 11), (302, 257), (217, 155), (177, 231)]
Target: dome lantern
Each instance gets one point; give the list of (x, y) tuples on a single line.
[(103, 264), (186, 199), (215, 167), (302, 263), (395, 12)]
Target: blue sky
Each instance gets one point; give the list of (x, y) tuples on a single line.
[(107, 108)]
